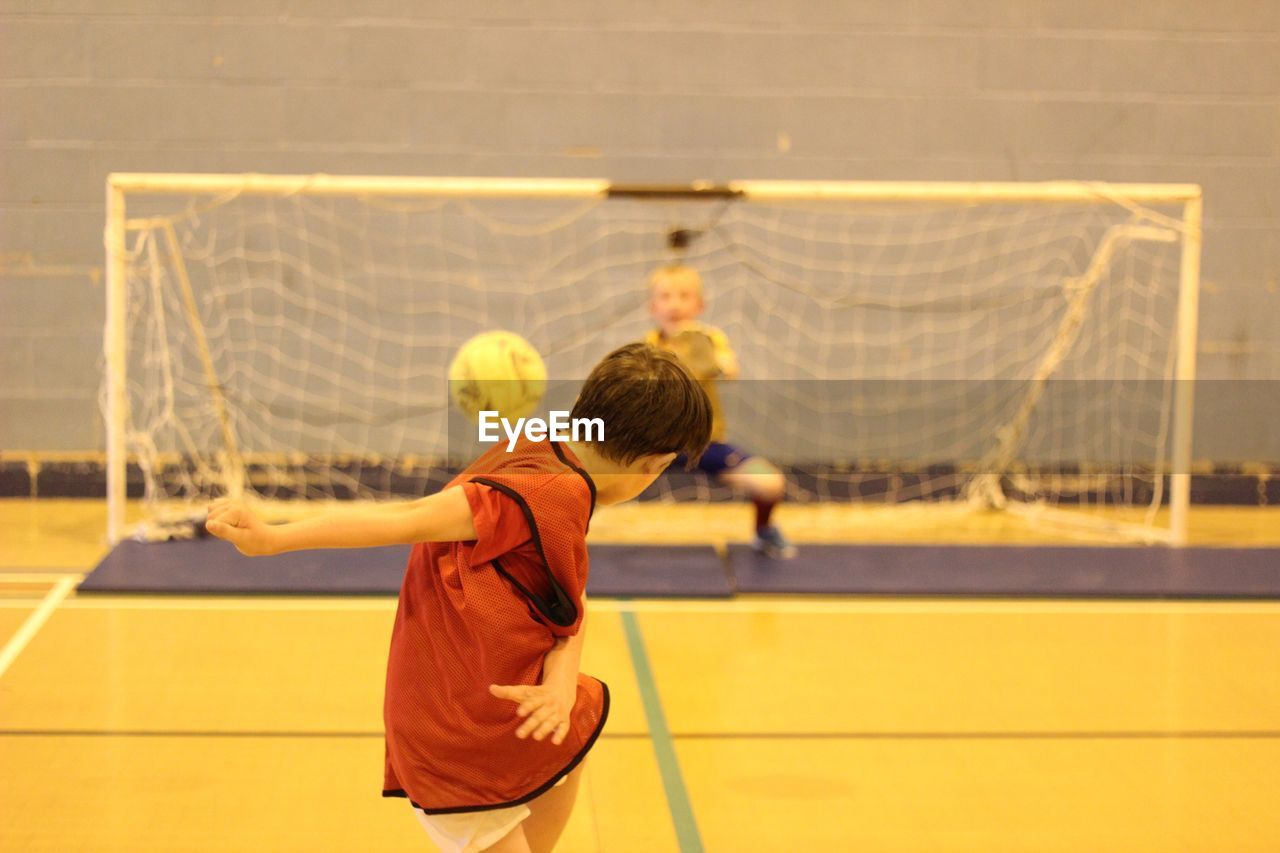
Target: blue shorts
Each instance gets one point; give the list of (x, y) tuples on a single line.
[(718, 458)]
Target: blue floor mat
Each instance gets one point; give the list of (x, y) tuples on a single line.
[(213, 567), (992, 571)]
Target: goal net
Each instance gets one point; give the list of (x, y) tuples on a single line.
[(1016, 347)]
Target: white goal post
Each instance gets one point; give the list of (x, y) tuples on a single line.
[(278, 333)]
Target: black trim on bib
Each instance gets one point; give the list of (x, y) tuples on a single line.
[(560, 610), (537, 792), (591, 485)]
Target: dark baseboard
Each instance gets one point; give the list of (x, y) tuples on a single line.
[(1224, 485)]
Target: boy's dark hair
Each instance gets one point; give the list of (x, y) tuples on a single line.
[(650, 404)]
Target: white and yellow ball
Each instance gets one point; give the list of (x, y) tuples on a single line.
[(499, 372)]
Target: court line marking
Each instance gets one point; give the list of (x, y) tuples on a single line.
[(45, 570), (796, 605), (664, 750), (237, 733), (34, 622), (15, 566), (1224, 734), (36, 577)]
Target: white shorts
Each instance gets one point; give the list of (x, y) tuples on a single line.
[(468, 832)]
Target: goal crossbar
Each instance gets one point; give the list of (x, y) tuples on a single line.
[(945, 191)]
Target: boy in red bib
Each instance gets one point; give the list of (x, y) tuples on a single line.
[(491, 614)]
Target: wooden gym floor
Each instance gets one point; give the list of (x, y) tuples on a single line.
[(761, 724)]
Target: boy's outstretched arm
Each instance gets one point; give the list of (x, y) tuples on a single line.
[(442, 517)]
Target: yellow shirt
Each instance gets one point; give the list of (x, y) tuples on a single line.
[(706, 378)]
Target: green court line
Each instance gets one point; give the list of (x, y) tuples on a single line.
[(663, 747)]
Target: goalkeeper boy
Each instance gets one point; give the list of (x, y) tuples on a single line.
[(675, 303)]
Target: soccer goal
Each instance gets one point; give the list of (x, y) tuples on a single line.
[(962, 347)]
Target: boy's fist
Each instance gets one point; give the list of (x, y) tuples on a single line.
[(234, 522)]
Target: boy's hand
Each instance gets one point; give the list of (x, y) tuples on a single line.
[(234, 522), (545, 710)]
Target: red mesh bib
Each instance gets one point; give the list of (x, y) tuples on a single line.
[(486, 612)]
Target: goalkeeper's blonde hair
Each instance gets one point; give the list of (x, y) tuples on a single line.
[(676, 271)]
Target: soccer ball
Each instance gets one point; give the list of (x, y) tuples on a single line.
[(499, 372)]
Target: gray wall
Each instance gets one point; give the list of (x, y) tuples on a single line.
[(634, 91)]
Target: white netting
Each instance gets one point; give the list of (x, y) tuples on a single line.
[(998, 352)]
